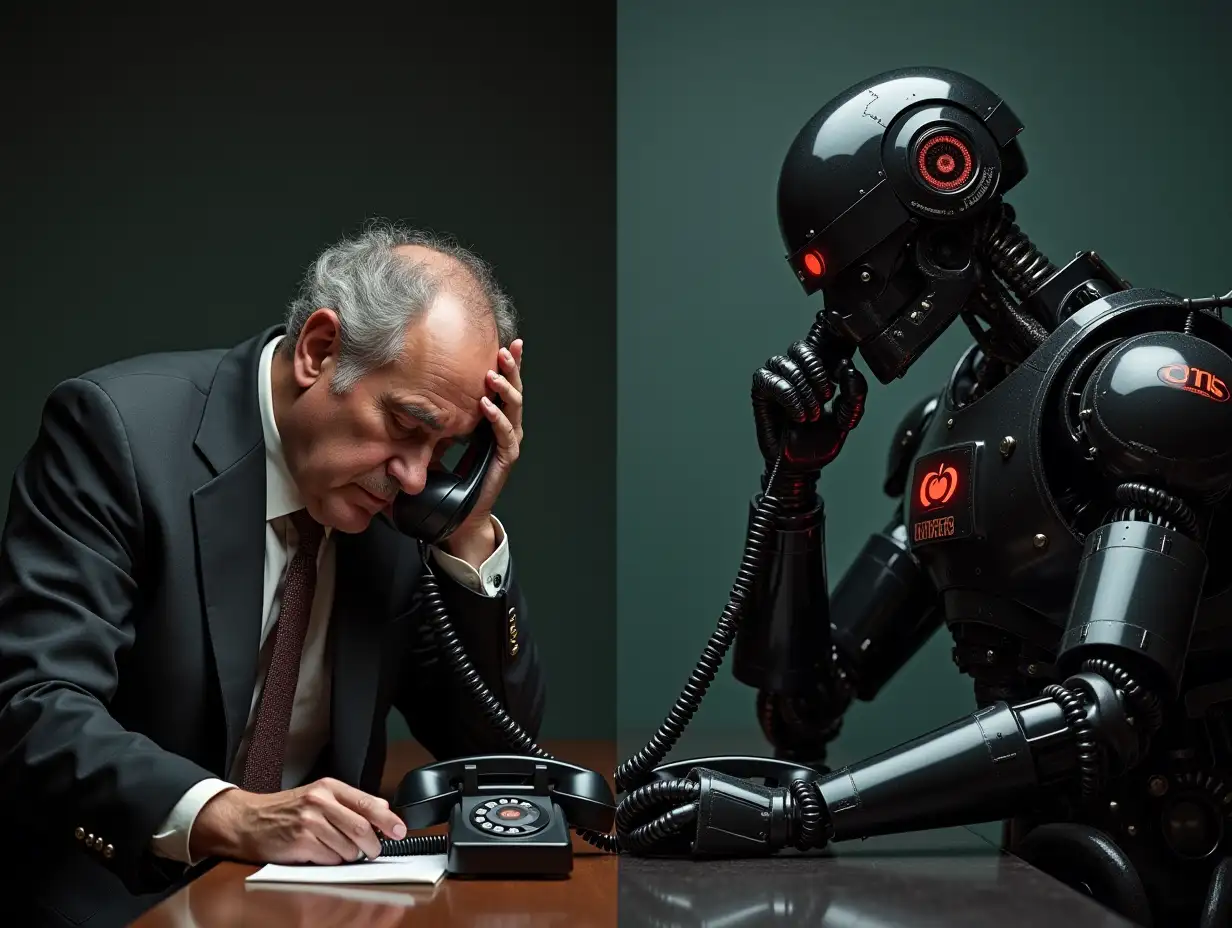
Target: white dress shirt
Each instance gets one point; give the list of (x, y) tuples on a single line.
[(309, 727)]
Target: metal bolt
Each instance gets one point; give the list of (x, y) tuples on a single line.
[(1040, 540), (1007, 446), (915, 316), (1112, 807), (949, 423), (992, 656), (1158, 786), (925, 305), (865, 276), (1131, 829)]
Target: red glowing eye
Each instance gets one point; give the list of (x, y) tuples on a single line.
[(814, 264), (945, 162)]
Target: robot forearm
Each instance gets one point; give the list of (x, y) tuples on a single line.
[(808, 654)]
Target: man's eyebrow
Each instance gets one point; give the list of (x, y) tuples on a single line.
[(416, 412)]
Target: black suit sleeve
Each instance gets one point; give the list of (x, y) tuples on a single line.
[(494, 631), (70, 562)]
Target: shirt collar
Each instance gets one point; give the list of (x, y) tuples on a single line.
[(281, 494)]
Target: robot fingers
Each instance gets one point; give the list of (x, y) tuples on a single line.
[(852, 392), (791, 371)]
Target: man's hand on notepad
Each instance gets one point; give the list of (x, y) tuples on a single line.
[(326, 822)]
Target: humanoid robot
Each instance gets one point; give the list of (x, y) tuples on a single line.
[(1060, 505)]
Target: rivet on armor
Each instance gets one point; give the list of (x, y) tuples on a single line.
[(1112, 806), (865, 276), (1007, 446), (992, 656), (1040, 540), (914, 316), (925, 305), (1131, 830), (1032, 670)]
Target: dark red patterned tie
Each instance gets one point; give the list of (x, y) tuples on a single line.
[(263, 765)]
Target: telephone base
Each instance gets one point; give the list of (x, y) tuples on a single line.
[(534, 842)]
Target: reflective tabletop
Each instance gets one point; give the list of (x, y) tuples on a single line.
[(949, 878)]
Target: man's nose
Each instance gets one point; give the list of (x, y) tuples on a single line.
[(410, 472)]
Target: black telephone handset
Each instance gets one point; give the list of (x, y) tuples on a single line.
[(509, 815), (449, 495)]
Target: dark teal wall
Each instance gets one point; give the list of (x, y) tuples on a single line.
[(165, 180), (1127, 137)]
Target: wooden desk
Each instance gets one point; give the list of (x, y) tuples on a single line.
[(221, 899)]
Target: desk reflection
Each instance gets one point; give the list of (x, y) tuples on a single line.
[(222, 899), (906, 884)]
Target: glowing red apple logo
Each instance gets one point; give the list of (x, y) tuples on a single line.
[(938, 486)]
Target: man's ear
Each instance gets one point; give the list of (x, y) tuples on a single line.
[(316, 352)]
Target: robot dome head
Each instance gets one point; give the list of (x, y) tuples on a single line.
[(881, 200)]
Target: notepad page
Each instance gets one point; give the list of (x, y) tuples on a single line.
[(428, 868)]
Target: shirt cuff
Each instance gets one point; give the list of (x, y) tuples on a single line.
[(172, 839), (491, 574)]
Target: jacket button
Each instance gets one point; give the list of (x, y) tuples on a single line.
[(80, 833)]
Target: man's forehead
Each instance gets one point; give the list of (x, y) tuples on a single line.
[(435, 415)]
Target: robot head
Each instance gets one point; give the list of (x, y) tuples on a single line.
[(883, 199)]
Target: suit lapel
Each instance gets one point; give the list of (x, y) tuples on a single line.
[(229, 524), (355, 629)]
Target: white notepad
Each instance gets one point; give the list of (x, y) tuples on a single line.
[(427, 868)]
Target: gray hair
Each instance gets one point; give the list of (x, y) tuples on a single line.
[(377, 294)]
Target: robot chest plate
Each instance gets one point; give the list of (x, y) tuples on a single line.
[(978, 514)]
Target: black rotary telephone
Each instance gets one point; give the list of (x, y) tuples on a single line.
[(509, 815)]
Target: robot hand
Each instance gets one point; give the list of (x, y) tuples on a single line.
[(790, 393)]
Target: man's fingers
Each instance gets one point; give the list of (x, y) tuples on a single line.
[(354, 829), (509, 394), (331, 847), (511, 364), (506, 436), (371, 808)]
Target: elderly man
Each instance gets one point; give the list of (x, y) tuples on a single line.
[(203, 621)]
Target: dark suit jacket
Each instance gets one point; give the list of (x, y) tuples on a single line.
[(131, 573)]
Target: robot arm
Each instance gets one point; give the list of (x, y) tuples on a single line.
[(809, 653), (1154, 417)]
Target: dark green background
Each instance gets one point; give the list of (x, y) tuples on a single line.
[(1127, 130), (164, 182)]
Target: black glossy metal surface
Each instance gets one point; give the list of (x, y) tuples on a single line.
[(835, 159), (948, 878), (783, 650), (1157, 408)]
